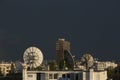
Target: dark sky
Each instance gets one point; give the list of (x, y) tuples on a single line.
[(91, 26)]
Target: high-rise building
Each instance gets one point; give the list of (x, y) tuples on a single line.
[(61, 46)]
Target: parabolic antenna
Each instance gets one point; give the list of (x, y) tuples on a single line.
[(87, 60), (33, 57)]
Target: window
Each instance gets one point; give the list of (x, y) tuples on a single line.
[(7, 67), (30, 75), (38, 76), (7, 70), (68, 75), (55, 76), (50, 76), (63, 76), (76, 77)]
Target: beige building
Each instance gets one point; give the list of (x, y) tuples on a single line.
[(64, 75), (104, 65), (5, 67)]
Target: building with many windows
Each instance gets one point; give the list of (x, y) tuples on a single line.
[(64, 58), (66, 69), (5, 68), (61, 46), (104, 65), (64, 75)]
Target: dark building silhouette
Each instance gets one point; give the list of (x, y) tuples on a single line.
[(64, 58), (61, 46)]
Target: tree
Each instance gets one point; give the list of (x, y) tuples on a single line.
[(12, 75), (62, 65), (38, 68), (114, 73), (12, 71), (110, 72), (52, 66)]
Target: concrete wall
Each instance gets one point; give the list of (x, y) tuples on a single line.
[(73, 75), (31, 77)]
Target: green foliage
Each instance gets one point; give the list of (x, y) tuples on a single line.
[(11, 75), (114, 73), (12, 71), (52, 66), (62, 65), (110, 72), (15, 76), (38, 68)]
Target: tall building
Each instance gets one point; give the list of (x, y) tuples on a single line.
[(61, 46)]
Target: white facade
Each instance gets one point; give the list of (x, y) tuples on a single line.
[(31, 77), (105, 65), (64, 75)]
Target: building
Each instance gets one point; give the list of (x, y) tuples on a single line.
[(104, 65), (5, 68), (64, 75), (65, 70), (64, 59), (61, 46)]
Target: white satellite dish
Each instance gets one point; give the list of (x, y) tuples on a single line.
[(87, 60), (33, 57)]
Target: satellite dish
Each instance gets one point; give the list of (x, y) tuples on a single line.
[(33, 57), (87, 60)]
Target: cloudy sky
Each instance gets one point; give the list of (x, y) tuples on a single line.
[(92, 26)]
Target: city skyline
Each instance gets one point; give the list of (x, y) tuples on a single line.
[(90, 26)]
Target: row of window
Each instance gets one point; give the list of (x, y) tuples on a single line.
[(68, 76), (75, 76), (53, 76)]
